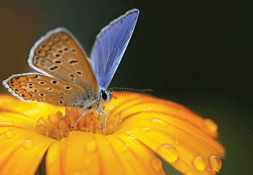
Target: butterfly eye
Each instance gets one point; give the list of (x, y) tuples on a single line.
[(104, 95)]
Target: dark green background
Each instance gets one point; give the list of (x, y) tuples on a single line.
[(197, 53)]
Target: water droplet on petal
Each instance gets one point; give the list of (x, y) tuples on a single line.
[(176, 141), (215, 163), (145, 130), (199, 163), (160, 122), (9, 134), (87, 161), (167, 151), (27, 144), (156, 163), (210, 125), (92, 146)]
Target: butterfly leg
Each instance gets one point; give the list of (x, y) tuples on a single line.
[(101, 118), (105, 116), (66, 115), (85, 112)]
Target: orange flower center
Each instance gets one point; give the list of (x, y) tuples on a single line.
[(55, 128)]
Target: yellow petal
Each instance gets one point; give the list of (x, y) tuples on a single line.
[(179, 136), (128, 104), (139, 126), (21, 150), (17, 120), (89, 153), (76, 154), (134, 156), (31, 109)]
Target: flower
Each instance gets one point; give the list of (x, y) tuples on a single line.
[(139, 128)]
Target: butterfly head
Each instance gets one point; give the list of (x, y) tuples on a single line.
[(105, 95)]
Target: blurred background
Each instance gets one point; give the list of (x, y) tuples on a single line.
[(196, 53)]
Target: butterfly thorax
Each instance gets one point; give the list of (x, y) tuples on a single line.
[(94, 102)]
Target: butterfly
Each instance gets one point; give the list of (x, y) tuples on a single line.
[(67, 77)]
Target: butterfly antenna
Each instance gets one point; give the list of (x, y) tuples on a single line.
[(131, 89)]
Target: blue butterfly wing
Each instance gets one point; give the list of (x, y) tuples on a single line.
[(110, 46)]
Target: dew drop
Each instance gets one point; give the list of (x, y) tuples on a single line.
[(156, 163), (176, 141), (9, 134), (159, 122), (168, 151), (210, 125), (145, 130), (27, 144), (92, 146), (215, 163), (199, 163)]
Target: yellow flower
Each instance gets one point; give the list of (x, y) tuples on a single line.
[(139, 128)]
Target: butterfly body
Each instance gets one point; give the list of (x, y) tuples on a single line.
[(67, 76)]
